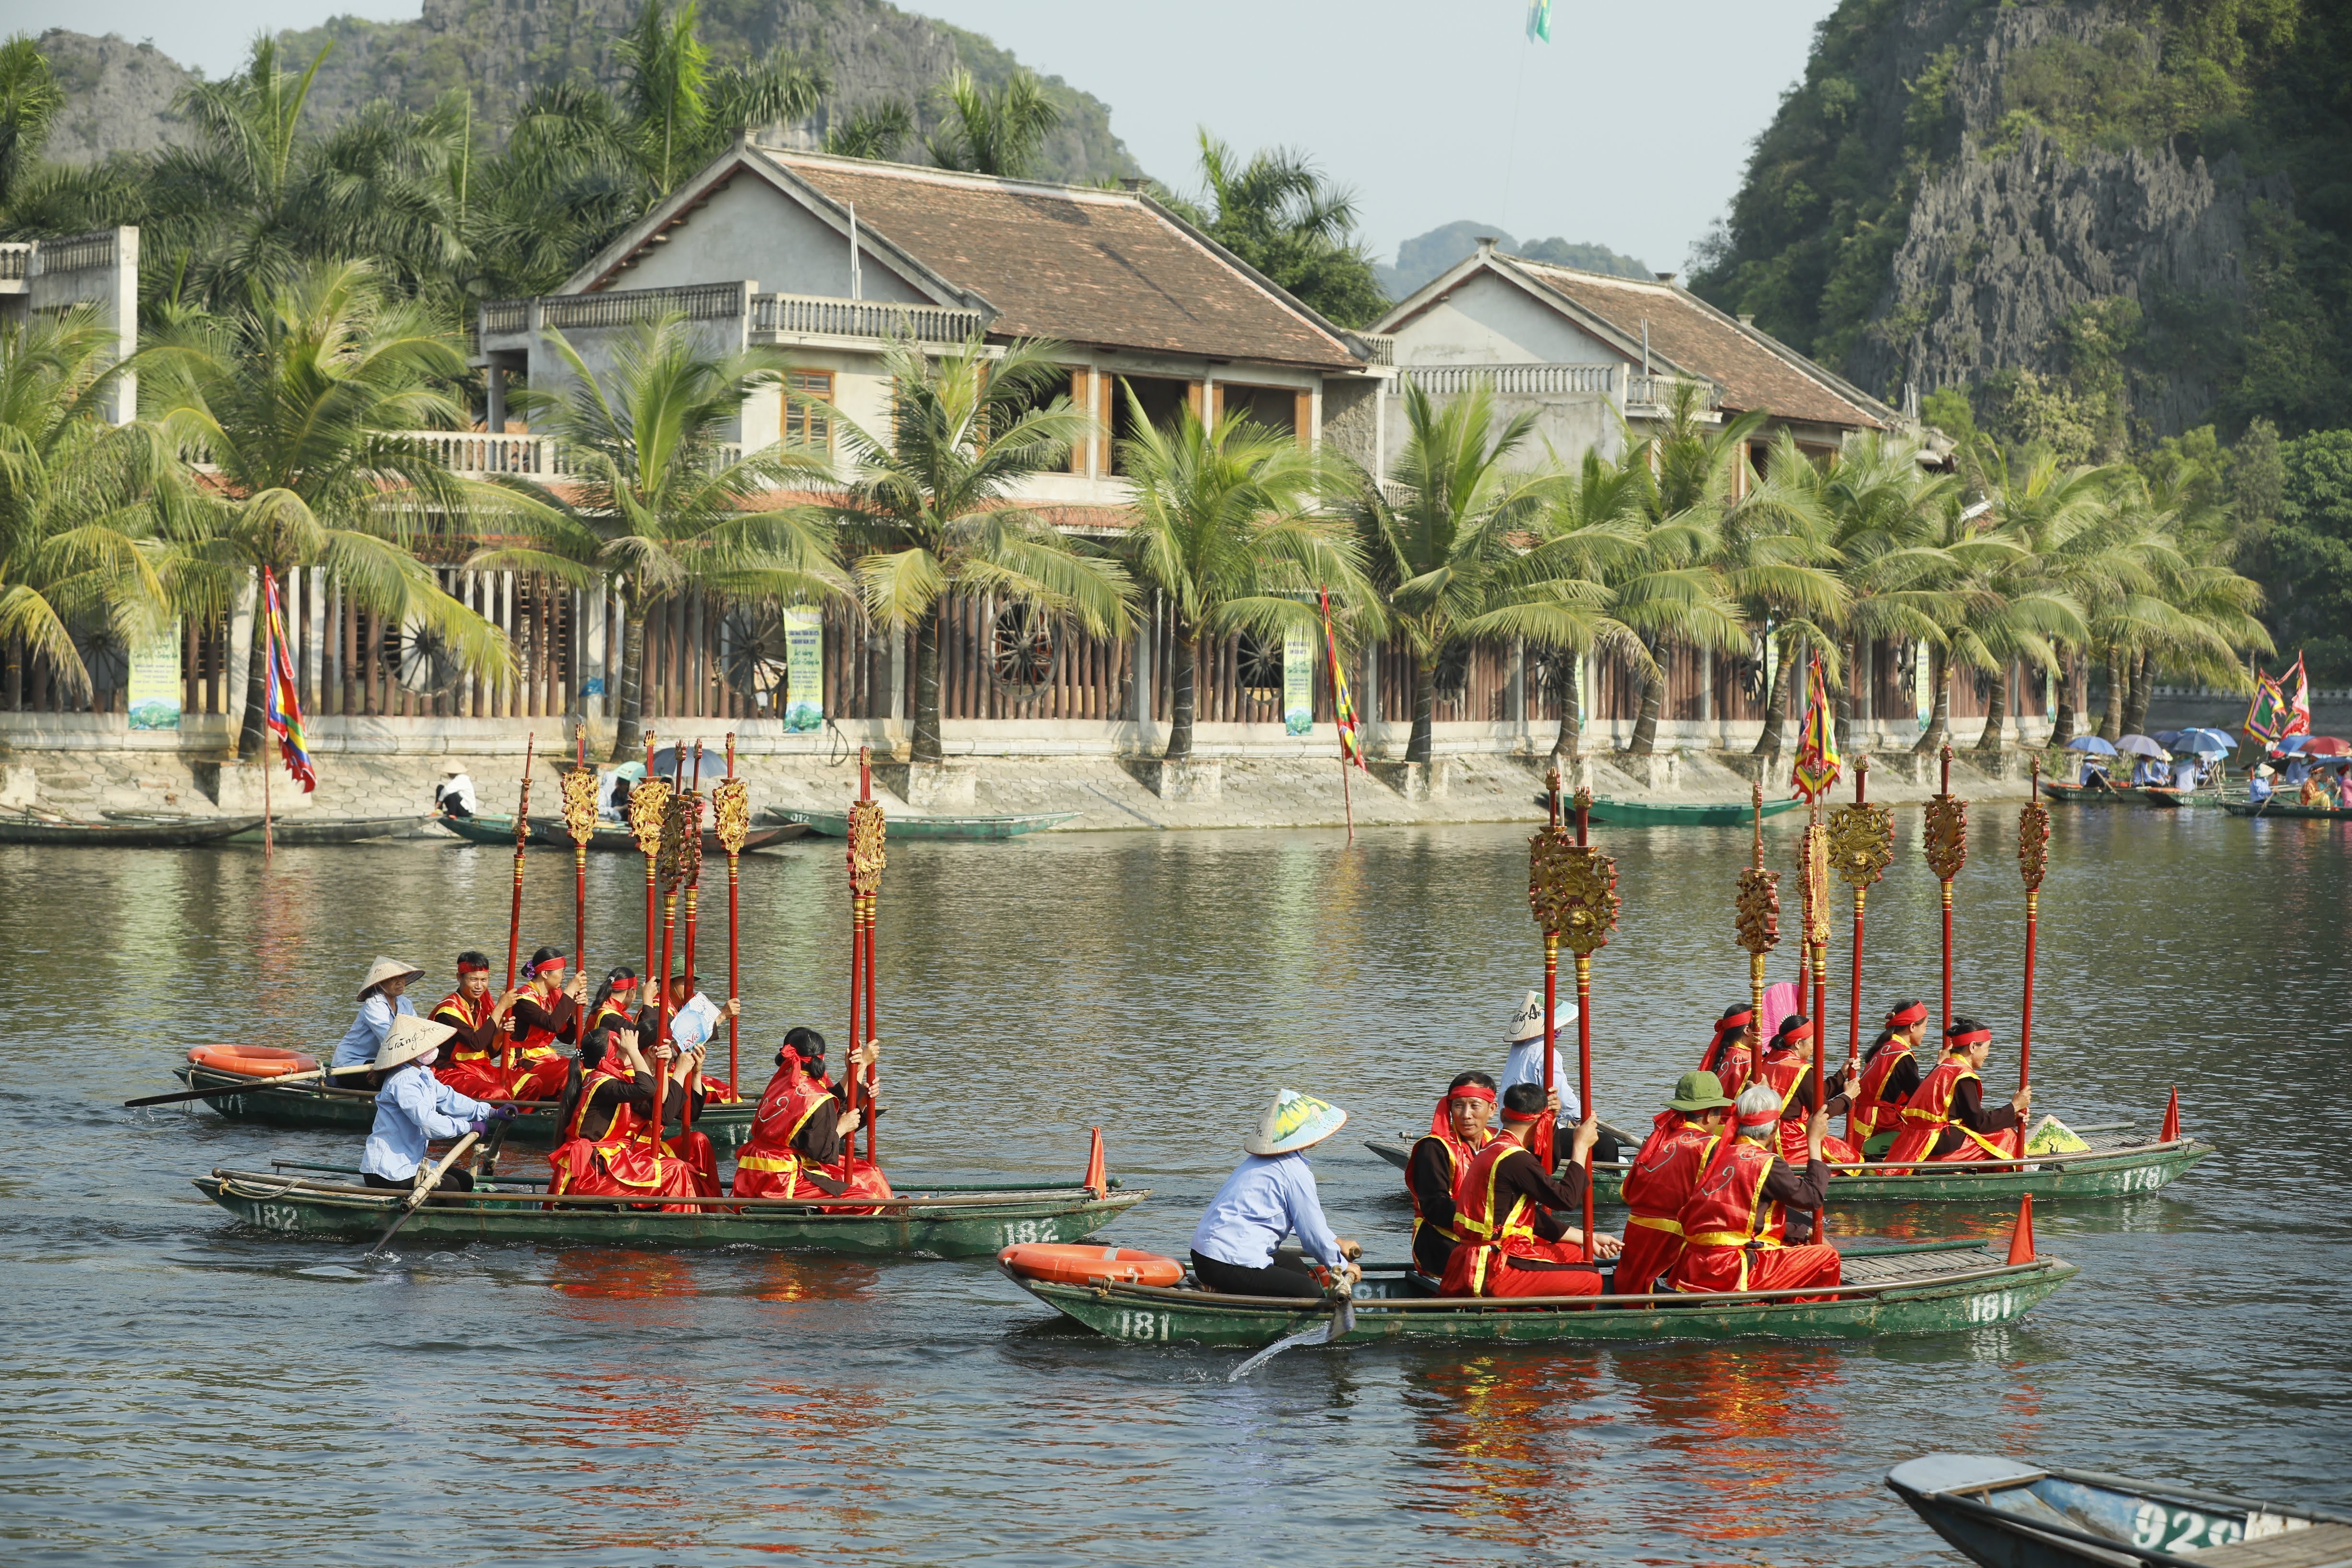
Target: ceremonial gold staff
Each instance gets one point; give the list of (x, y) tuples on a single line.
[(2032, 862), (1573, 892), (1862, 845), (1755, 912), (671, 863), (649, 810), (522, 833), (580, 821), (730, 814), (866, 836), (1947, 847)]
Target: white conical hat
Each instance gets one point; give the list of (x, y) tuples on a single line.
[(1526, 1023), (409, 1038), (384, 969), (1294, 1121)]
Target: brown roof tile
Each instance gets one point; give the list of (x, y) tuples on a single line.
[(1084, 265), (1687, 331)]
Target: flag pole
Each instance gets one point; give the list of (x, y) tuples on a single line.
[(523, 834), (866, 834), (1572, 893)]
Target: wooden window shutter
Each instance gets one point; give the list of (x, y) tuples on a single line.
[(1303, 416)]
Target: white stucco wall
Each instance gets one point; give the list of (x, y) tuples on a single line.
[(1487, 320), (751, 230)]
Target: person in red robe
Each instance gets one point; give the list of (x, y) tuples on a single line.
[(803, 1141), (1458, 1129), (1946, 1120), (607, 1103), (478, 1029), (1890, 1077), (1735, 1223), (1513, 1243), (1660, 1179), (1732, 1052), (1787, 1066), (546, 1014)]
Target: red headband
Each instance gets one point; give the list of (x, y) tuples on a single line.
[(1472, 1091), (1764, 1118), (1795, 1029), (466, 968), (1903, 1017), (544, 964), (1510, 1115), (1738, 1018), (1954, 1042)]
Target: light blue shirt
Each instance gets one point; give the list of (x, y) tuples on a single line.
[(1266, 1198), (368, 1030), (2258, 789), (410, 1109), (1526, 1066), (691, 1024)]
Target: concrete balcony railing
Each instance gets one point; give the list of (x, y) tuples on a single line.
[(478, 455), (1641, 394), (1645, 394), (817, 316), (16, 261)]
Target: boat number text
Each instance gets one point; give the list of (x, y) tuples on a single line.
[(1998, 1307), (1140, 1326), (1023, 1231), (2180, 1529), (278, 1216), (2147, 1179)]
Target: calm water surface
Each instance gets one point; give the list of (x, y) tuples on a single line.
[(176, 1391)]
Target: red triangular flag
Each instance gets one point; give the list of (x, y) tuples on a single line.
[(1097, 1180), (2171, 1117), (2021, 1240)]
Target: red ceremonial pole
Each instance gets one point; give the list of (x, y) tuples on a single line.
[(522, 832), (1583, 1017), (2032, 859), (1946, 794), (652, 918), (857, 960), (734, 947), (872, 1028), (579, 878), (693, 856), (1549, 1157), (1853, 1016)]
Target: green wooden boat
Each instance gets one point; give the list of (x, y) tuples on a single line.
[(1644, 814), (835, 824), (2276, 807), (1936, 1288), (2092, 794), (925, 1222), (2181, 800), (2115, 1166), (313, 1107)]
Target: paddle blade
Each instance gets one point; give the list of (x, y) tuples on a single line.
[(2021, 1240), (2171, 1117), (1097, 1180)]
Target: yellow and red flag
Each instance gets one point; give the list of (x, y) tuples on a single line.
[(1343, 712), (1818, 760)]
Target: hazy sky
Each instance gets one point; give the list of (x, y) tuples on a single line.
[(1629, 127)]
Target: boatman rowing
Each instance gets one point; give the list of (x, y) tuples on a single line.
[(413, 1107), (1270, 1194)]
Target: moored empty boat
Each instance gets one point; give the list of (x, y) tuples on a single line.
[(2005, 1513), (24, 827), (835, 824)]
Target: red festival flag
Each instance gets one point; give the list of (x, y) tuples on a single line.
[(2264, 714), (1343, 712), (1818, 760), (283, 711), (2298, 688)]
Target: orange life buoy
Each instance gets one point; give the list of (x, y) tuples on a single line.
[(1077, 1263), (252, 1061)]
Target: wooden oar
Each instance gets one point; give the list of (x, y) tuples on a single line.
[(1343, 1322), (415, 1199), (239, 1088)]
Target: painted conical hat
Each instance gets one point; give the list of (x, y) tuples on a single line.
[(1294, 1121), (1528, 1022), (409, 1038)]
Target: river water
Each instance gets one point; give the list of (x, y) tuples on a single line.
[(175, 1390)]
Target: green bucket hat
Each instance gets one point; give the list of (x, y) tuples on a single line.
[(1699, 1090)]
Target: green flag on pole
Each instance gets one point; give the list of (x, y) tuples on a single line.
[(1539, 20)]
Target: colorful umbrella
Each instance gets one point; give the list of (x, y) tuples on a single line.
[(2090, 744), (2139, 746), (2204, 742), (2326, 746)]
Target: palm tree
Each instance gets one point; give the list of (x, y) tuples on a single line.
[(1882, 509), (1561, 595), (82, 501), (1777, 560), (2027, 605), (995, 132), (29, 100), (654, 502), (1223, 530), (1279, 214), (876, 130), (302, 403), (923, 510), (1440, 551)]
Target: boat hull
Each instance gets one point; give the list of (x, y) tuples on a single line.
[(1641, 814), (2084, 794), (312, 1108), (609, 839), (835, 824), (124, 835), (1984, 1292), (2006, 1514), (2116, 1173), (287, 1207), (2284, 808)]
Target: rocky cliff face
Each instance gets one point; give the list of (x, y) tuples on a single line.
[(498, 50), (2003, 252)]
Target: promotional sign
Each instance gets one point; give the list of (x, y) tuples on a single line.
[(1297, 681), (804, 671), (1923, 683), (154, 695)]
